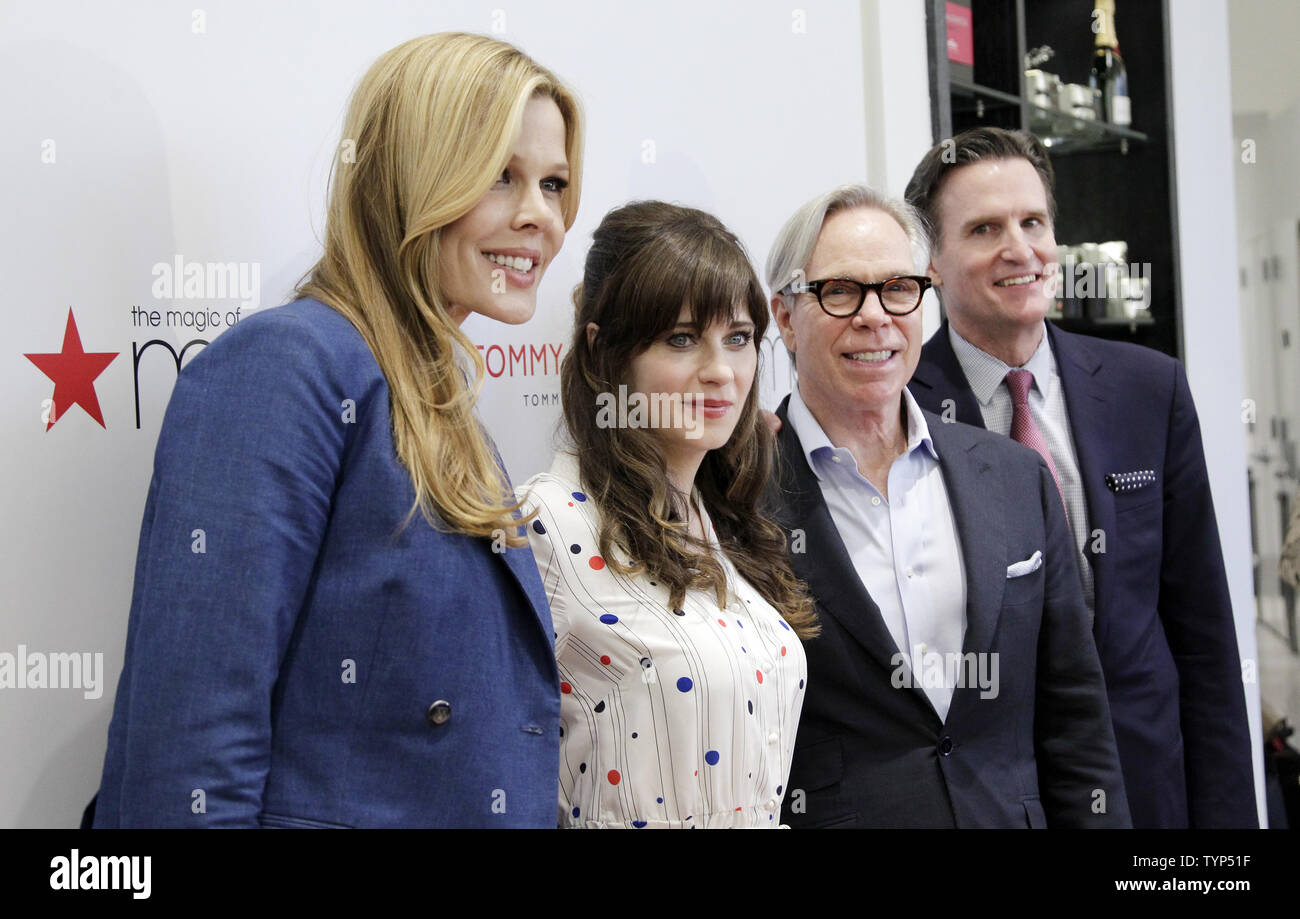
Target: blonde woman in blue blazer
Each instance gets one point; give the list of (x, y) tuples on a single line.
[(320, 633)]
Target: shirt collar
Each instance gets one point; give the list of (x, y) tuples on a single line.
[(813, 439), (985, 372)]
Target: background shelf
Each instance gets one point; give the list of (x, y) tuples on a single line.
[(1112, 182)]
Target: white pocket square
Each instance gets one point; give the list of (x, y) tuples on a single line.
[(1028, 566)]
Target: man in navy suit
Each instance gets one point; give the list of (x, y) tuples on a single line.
[(954, 683), (1116, 425)]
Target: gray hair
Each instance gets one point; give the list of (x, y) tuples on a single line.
[(795, 243)]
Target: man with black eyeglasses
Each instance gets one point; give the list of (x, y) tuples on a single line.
[(1116, 426), (954, 683)]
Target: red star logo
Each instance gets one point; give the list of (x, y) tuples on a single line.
[(73, 372)]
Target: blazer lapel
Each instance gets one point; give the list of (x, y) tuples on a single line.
[(523, 566), (939, 379), (979, 509), (824, 563), (1088, 400)]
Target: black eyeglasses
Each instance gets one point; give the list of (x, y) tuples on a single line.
[(841, 297)]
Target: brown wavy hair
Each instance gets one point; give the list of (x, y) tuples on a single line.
[(647, 260)]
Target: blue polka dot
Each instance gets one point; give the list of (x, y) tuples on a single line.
[(751, 707), (778, 789), (712, 757), (678, 612), (639, 824), (575, 548), (684, 684), (742, 650), (660, 800), (600, 706), (739, 623), (783, 625), (801, 684), (579, 496), (609, 619), (634, 735), (582, 767), (575, 811), (537, 527)]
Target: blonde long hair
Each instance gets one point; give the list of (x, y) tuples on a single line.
[(428, 131)]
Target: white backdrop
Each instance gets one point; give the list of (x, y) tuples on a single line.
[(136, 135)]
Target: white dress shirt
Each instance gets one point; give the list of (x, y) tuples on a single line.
[(669, 717), (905, 548), (987, 377)]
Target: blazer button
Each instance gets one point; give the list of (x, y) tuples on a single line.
[(439, 712), (945, 746)]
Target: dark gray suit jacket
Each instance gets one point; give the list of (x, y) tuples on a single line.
[(1040, 753)]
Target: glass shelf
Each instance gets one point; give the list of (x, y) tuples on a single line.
[(976, 97), (1064, 134), (1061, 133)]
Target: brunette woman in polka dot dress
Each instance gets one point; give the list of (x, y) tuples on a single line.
[(678, 621)]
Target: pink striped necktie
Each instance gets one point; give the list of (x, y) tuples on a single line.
[(1024, 430)]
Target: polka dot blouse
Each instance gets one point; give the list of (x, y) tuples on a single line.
[(670, 717)]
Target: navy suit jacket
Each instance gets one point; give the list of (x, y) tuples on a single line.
[(1038, 751), (289, 637), (1163, 625)]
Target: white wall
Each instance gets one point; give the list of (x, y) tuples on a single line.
[(896, 75), (1204, 153), (1265, 67)]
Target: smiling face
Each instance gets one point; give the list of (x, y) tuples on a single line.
[(861, 363), (711, 372), (491, 259), (994, 262)]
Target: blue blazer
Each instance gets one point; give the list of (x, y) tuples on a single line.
[(1163, 624), (296, 656), (1038, 752)]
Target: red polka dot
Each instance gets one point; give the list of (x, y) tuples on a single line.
[(570, 504), (596, 562), (783, 650), (604, 659), (739, 808), (721, 623), (697, 772), (613, 777), (565, 687), (759, 674)]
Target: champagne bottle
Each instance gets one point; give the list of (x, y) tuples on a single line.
[(1108, 73)]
